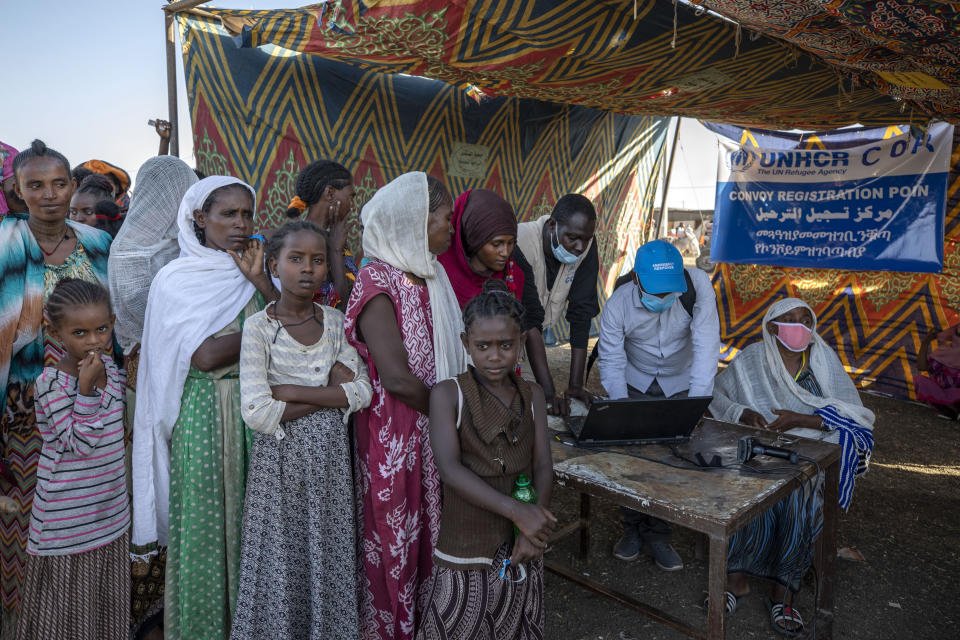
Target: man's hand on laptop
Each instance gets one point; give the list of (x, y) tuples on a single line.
[(558, 405), (580, 394)]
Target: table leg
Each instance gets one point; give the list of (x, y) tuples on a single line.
[(584, 525), (825, 557), (716, 586)]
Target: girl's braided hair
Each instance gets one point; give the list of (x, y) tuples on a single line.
[(314, 179), (279, 237), (437, 194), (72, 292), (495, 301), (100, 187)]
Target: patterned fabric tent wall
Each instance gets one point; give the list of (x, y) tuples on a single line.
[(261, 114), (874, 319)]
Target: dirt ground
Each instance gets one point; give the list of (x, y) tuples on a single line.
[(904, 520)]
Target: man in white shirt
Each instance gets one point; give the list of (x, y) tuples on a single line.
[(652, 346)]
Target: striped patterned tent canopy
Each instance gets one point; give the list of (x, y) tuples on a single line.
[(908, 49), (263, 113), (648, 57)]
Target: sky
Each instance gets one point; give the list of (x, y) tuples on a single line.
[(85, 77)]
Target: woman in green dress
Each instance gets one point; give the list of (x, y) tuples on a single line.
[(190, 446), (37, 250)]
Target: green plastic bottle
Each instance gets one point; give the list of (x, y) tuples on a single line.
[(523, 491)]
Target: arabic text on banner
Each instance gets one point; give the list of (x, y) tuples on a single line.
[(875, 206)]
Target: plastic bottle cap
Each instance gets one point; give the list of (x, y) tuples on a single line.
[(522, 480)]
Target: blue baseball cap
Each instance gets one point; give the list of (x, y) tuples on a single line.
[(659, 267)]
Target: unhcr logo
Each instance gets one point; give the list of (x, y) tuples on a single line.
[(740, 160)]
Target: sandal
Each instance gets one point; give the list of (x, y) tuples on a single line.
[(731, 603), (781, 615)]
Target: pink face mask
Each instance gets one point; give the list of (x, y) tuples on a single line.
[(794, 335)]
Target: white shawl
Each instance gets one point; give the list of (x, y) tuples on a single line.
[(395, 231), (553, 300), (757, 379), (146, 242), (192, 298)]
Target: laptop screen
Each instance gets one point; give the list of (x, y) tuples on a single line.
[(632, 421)]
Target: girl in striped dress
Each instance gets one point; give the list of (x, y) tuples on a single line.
[(37, 250), (77, 575)]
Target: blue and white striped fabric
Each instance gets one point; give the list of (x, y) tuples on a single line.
[(856, 443), (779, 543)]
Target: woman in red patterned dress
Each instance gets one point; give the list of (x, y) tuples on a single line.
[(404, 320)]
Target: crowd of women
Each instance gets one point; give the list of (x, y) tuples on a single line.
[(224, 431)]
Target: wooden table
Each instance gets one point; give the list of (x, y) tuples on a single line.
[(715, 503)]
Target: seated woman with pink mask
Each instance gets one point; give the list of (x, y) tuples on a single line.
[(790, 382)]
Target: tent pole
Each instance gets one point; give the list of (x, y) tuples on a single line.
[(183, 5), (170, 35), (662, 218)]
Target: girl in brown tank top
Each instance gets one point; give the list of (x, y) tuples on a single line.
[(487, 426)]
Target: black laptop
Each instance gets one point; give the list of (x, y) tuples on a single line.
[(647, 421)]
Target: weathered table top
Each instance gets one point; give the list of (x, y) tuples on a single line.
[(715, 502)]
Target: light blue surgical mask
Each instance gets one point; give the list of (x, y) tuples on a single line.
[(655, 304), (559, 251)]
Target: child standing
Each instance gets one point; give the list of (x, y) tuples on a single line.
[(297, 372), (488, 426), (77, 576)]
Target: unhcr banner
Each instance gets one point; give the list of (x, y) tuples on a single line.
[(835, 202)]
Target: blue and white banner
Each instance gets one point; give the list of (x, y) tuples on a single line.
[(843, 200)]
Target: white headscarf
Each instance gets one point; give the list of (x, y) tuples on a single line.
[(191, 299), (757, 379), (146, 242), (395, 231)]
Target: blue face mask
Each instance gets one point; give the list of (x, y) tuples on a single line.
[(560, 252), (656, 304)]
